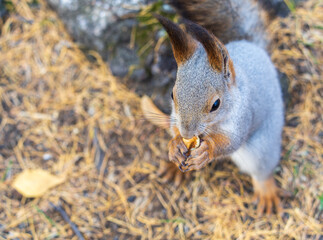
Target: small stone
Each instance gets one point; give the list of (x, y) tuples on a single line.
[(91, 111), (168, 8), (131, 199), (303, 178), (76, 131), (47, 156)]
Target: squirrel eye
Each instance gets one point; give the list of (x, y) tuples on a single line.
[(215, 105), (172, 96)]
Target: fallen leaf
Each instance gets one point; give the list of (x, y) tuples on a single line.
[(35, 182)]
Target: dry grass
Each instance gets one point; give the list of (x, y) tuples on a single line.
[(63, 113)]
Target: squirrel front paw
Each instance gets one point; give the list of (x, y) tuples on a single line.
[(177, 151), (200, 156)]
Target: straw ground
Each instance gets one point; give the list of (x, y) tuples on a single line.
[(64, 112)]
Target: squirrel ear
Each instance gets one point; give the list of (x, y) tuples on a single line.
[(182, 43), (226, 60), (228, 68), (216, 51)]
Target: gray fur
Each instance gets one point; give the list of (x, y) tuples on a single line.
[(250, 113), (251, 21)]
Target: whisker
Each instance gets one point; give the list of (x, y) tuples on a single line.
[(207, 132), (234, 137), (158, 120)]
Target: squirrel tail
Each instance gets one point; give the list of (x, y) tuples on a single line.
[(228, 20)]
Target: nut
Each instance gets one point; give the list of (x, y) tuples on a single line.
[(192, 143)]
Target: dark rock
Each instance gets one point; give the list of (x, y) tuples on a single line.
[(103, 25), (131, 199), (106, 26)]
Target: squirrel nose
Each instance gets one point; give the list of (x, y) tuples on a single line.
[(187, 134), (188, 129)]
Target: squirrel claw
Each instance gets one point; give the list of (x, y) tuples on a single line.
[(199, 162), (176, 150), (183, 164), (183, 170)]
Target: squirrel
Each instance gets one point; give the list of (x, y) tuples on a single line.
[(227, 95)]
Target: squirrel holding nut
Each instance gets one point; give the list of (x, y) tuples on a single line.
[(227, 100)]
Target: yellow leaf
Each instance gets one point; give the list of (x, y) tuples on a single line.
[(35, 182)]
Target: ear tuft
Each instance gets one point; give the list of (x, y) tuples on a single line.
[(228, 68), (232, 72), (183, 44), (225, 56), (218, 55), (210, 43)]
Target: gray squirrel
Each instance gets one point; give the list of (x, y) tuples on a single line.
[(230, 97)]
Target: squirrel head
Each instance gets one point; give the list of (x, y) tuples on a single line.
[(201, 95)]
